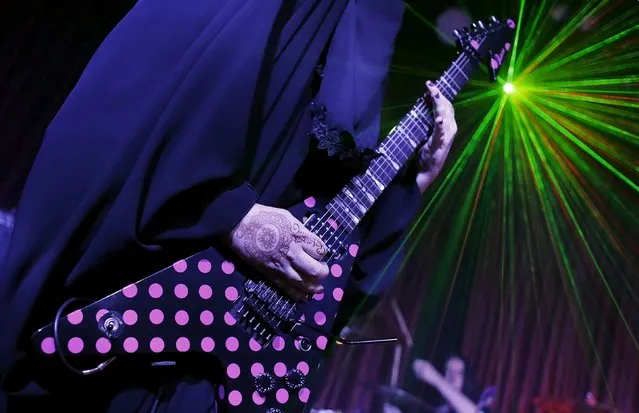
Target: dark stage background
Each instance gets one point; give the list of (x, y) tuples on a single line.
[(543, 309)]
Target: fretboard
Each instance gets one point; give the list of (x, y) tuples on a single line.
[(352, 203)]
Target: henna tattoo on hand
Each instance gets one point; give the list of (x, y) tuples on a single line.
[(313, 242), (267, 236)]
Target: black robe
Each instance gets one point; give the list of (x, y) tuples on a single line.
[(188, 114)]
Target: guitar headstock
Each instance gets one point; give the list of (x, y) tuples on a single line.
[(487, 42)]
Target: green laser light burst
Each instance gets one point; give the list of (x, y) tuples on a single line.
[(509, 88)]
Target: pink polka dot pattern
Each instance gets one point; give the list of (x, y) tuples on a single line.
[(48, 345), (233, 371), (182, 317), (279, 369), (232, 344), (207, 344), (228, 319), (235, 398), (182, 344), (205, 292), (130, 345), (130, 291), (171, 314), (156, 345), (204, 266), (303, 367), (231, 293), (156, 316), (257, 369), (180, 266), (228, 267), (130, 317), (181, 291), (310, 202), (75, 345), (304, 394), (321, 342), (206, 317), (278, 343), (103, 345), (254, 345), (258, 399), (155, 290), (99, 314), (320, 318), (282, 396), (75, 317)]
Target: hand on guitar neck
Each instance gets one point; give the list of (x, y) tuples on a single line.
[(434, 153), (279, 246)]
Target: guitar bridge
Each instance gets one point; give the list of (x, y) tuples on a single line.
[(264, 312)]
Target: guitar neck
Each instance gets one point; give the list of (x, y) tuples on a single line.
[(358, 196)]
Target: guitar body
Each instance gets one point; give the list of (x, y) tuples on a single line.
[(197, 305)]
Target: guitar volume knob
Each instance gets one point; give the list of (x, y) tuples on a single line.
[(264, 383), (294, 379)]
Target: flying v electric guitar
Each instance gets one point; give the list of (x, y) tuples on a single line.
[(268, 348)]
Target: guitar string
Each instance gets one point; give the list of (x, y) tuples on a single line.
[(427, 112), (460, 61), (343, 216)]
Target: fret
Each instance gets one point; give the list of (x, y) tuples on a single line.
[(356, 207), (451, 79), (356, 198), (365, 197), (443, 82), (362, 185), (460, 70), (389, 158), (406, 137), (377, 182)]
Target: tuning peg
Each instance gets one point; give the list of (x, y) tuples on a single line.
[(457, 34), (474, 26), (494, 19), (480, 24)]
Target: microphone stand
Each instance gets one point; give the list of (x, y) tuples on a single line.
[(407, 339)]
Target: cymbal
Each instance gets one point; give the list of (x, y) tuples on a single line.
[(399, 397)]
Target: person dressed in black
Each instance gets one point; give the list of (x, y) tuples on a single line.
[(457, 386), (195, 124)]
